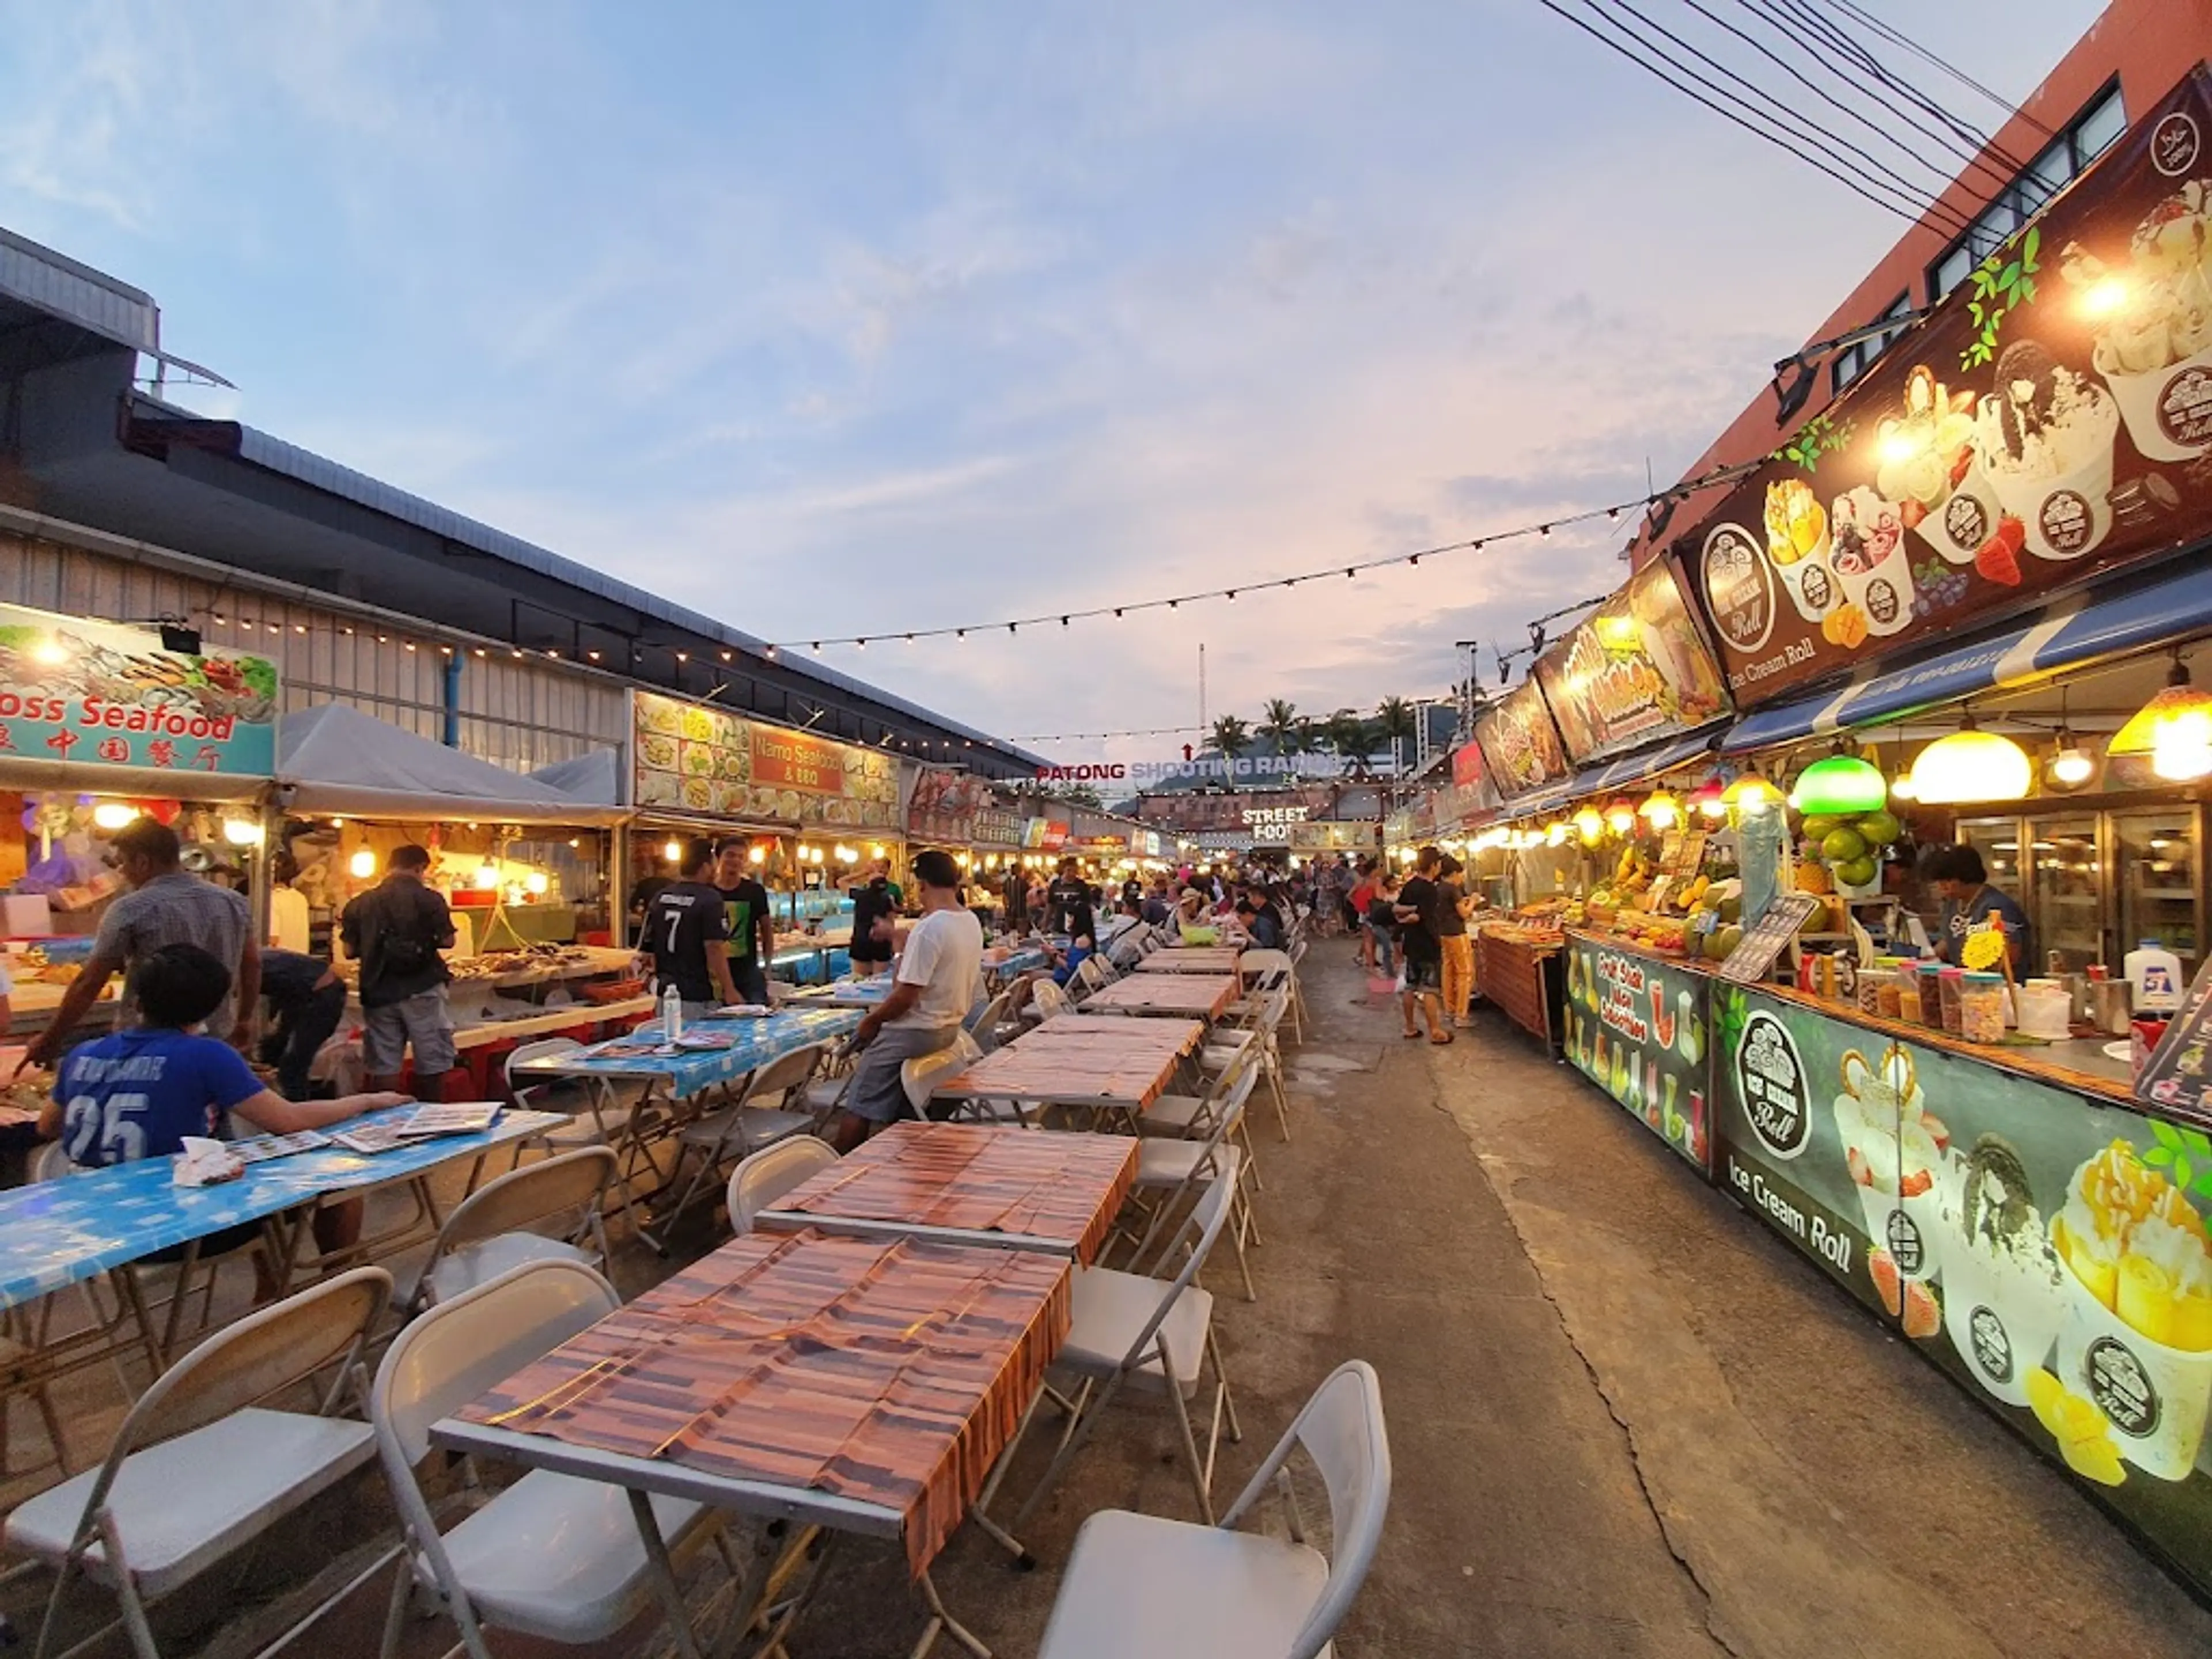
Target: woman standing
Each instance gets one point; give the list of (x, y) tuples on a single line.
[(1450, 922)]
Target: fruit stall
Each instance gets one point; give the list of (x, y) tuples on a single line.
[(1516, 964), (1636, 1024)]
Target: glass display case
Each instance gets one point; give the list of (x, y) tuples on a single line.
[(2064, 895), (2155, 856)]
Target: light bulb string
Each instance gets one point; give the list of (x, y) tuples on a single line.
[(1681, 491)]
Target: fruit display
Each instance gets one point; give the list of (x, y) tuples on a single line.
[(1845, 852)]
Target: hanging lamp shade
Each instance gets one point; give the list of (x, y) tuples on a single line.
[(1971, 765), (1620, 815), (1706, 800), (2174, 729), (1660, 810), (1590, 821), (1842, 786), (1751, 793)]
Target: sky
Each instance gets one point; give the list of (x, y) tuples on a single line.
[(877, 316)]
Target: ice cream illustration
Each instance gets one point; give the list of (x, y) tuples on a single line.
[(1927, 460), (2154, 322), (2044, 438), (2138, 1338), (1873, 569), (1894, 1150), (1798, 544), (2004, 1295)]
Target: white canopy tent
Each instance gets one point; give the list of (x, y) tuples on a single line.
[(595, 778), (334, 759)]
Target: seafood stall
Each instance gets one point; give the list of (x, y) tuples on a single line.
[(100, 724)]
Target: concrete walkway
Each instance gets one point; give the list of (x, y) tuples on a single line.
[(1626, 1420)]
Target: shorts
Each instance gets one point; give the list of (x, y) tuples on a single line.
[(877, 1092), (421, 1022), (1424, 974), (752, 982)]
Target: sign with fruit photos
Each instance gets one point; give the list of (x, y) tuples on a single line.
[(1764, 940), (1634, 670), (2045, 1249), (1637, 1026), (1519, 742), (2050, 420)]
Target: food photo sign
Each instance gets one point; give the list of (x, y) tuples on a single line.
[(98, 694), (2045, 1249), (1636, 1027), (2050, 420), (1636, 669), (693, 758), (1519, 742)]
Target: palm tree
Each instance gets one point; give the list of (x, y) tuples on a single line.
[(1232, 736), (1279, 725), (1398, 721), (1350, 738)]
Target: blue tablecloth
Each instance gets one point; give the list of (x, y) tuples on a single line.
[(58, 1232), (1018, 962), (861, 994), (693, 1071)]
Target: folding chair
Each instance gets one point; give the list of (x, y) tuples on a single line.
[(601, 1110), (1175, 1169), (1046, 999), (1297, 993), (739, 1130), (990, 1026), (489, 1234), (1261, 1036), (920, 1077), (553, 1556), (766, 1175), (1140, 1583), (200, 1467), (1157, 1335)]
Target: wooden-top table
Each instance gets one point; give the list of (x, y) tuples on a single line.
[(1193, 959), (1180, 1037), (1187, 996), (970, 1183), (862, 1384), (1114, 1071)]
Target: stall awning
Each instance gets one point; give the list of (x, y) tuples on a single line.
[(2067, 633), (594, 779), (334, 759)]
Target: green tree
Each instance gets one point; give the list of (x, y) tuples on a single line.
[(1398, 721), (1280, 725), (1350, 739), (1232, 736)]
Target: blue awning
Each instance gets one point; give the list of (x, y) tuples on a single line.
[(2133, 614)]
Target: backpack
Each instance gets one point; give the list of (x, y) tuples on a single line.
[(404, 953)]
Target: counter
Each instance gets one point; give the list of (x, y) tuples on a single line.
[(1636, 1024), (1521, 978), (1924, 1175)]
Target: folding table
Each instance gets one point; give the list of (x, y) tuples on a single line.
[(1185, 996)]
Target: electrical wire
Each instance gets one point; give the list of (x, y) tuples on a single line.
[(1899, 38), (1855, 186), (1682, 490), (1912, 192)]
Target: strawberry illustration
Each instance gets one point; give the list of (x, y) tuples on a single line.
[(1915, 1182), (1923, 1314), (1998, 558), (1862, 1172), (1910, 512), (1889, 1284)]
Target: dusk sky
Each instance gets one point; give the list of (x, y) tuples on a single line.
[(863, 317)]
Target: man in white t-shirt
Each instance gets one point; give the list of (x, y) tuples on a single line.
[(940, 969)]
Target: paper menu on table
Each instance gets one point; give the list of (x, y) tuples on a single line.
[(372, 1138), (459, 1117), (260, 1149)]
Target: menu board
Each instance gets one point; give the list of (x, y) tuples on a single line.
[(1636, 1026), (2177, 1076), (700, 759), (2051, 419), (1635, 670), (1519, 742), (958, 811), (95, 693), (2045, 1250), (1764, 940)]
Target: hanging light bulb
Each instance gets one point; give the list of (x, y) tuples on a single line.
[(1590, 821), (1751, 795), (241, 832), (1660, 810), (2174, 728), (1620, 816), (1841, 786), (487, 877), (535, 883), (112, 814), (1556, 833), (671, 850), (1971, 765), (2071, 766), (1706, 798), (1901, 787), (363, 865)]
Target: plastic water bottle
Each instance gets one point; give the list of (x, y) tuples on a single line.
[(2155, 973), (672, 1014)]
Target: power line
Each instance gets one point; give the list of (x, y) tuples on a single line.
[(1899, 38), (1351, 569), (1910, 192), (1763, 134)]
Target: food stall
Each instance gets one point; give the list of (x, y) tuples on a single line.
[(523, 867), (1986, 564), (101, 722), (1516, 959)]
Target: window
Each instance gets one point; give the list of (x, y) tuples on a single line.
[(2058, 163), (1854, 359)]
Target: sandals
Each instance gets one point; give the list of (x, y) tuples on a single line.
[(1409, 1033), (1436, 1042)]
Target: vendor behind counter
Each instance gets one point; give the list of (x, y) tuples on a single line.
[(1962, 882)]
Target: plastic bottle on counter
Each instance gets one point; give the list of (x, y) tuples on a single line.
[(2155, 972), (672, 1014)]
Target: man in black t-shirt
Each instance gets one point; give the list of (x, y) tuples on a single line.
[(685, 930), (874, 900), (1422, 950), (1068, 907), (751, 943), (397, 931)]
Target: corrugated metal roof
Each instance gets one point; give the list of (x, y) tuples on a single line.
[(57, 284)]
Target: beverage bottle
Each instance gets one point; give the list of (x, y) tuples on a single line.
[(672, 1014), (2155, 972)]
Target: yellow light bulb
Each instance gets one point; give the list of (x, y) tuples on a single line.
[(671, 850), (112, 814), (362, 864)]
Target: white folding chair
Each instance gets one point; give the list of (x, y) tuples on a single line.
[(739, 1130), (1260, 1034), (1297, 993), (990, 1026), (1173, 1170), (491, 1233), (553, 1556), (1129, 1329), (201, 1466), (1046, 999), (766, 1175), (1141, 1584), (919, 1078)]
